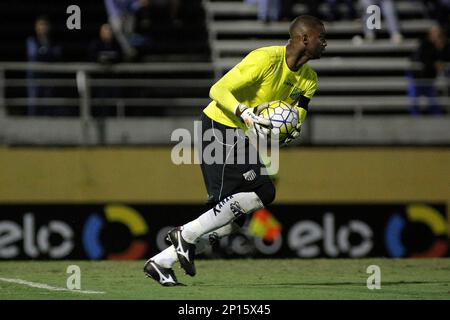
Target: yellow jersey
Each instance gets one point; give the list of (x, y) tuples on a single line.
[(262, 76)]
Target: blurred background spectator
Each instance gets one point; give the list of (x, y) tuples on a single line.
[(433, 51), (121, 18), (268, 10), (173, 8), (150, 16), (439, 10), (141, 37), (40, 48), (105, 49), (174, 31), (312, 8), (333, 10)]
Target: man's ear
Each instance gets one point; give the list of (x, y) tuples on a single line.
[(305, 38)]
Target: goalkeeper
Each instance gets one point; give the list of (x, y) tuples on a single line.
[(237, 190)]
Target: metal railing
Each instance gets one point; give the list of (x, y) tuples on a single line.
[(86, 77), (83, 78)]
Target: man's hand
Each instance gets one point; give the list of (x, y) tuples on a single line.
[(294, 135), (251, 118)]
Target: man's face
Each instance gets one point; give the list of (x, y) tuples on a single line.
[(106, 33), (436, 36), (316, 42), (42, 27), (311, 43)]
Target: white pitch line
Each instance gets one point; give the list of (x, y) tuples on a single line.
[(47, 287)]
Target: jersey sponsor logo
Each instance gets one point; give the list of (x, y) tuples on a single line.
[(288, 83), (296, 94), (249, 175)]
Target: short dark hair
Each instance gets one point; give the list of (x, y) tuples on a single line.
[(42, 17), (303, 23)]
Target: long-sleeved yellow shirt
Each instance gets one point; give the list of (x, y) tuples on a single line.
[(262, 76)]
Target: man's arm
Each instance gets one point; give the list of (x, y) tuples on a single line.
[(222, 93), (302, 106), (250, 70), (32, 49)]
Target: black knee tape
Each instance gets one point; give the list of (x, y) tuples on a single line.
[(266, 193)]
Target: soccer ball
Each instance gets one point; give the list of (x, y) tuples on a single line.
[(283, 116)]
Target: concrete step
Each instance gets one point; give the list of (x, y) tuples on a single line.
[(365, 103), (324, 130), (340, 64), (381, 130), (318, 103), (357, 84), (243, 9), (334, 46), (253, 27)]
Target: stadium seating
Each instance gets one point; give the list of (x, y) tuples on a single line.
[(169, 87), (187, 43), (374, 72)]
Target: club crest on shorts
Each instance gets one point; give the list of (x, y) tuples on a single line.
[(236, 209), (249, 175)]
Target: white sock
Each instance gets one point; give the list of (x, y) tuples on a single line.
[(226, 230), (168, 256), (203, 242), (223, 213)]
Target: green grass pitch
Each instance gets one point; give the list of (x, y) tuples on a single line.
[(246, 279)]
